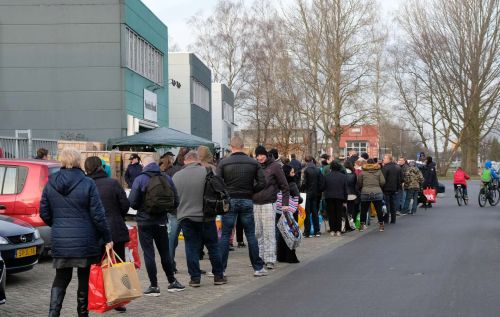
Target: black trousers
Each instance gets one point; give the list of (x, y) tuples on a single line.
[(64, 275), (365, 205), (390, 202), (149, 236), (335, 210)]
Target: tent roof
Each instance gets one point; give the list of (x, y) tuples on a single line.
[(162, 137)]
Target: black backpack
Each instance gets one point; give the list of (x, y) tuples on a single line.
[(160, 198), (215, 196)]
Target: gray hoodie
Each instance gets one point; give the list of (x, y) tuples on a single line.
[(190, 184)]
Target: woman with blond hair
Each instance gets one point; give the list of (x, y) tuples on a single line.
[(206, 157), (71, 206)]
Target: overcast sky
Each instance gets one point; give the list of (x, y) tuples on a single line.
[(175, 14)]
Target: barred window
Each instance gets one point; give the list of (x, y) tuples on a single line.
[(201, 95), (143, 58)]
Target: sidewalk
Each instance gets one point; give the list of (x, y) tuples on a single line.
[(199, 301)]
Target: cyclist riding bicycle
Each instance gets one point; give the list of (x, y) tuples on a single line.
[(460, 178), (489, 175)]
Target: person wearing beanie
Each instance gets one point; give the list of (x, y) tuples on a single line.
[(265, 226)]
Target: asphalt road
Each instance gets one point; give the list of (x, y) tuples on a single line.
[(444, 261)]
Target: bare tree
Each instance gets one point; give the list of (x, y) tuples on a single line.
[(332, 43), (458, 45)]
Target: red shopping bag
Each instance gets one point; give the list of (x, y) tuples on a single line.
[(430, 194), (132, 247), (97, 295)]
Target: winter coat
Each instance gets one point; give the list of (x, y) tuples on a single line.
[(393, 177), (242, 175), (294, 191), (413, 178), (138, 194), (430, 176), (311, 180), (133, 170), (275, 181), (115, 203), (460, 177), (371, 180), (174, 169), (71, 206), (190, 185), (336, 186)]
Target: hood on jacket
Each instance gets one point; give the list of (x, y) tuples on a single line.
[(66, 180), (371, 167), (151, 167), (487, 164), (98, 174)]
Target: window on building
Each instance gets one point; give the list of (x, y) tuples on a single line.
[(228, 112), (201, 95), (359, 146), (143, 58)]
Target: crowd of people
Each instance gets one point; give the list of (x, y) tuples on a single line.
[(85, 212)]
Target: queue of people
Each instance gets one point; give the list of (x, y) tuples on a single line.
[(87, 209)]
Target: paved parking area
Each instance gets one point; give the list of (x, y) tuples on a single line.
[(28, 293)]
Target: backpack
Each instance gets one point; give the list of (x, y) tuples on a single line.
[(486, 175), (160, 197), (215, 196)]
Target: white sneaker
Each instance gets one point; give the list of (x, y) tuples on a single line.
[(210, 274), (259, 273), (332, 234)]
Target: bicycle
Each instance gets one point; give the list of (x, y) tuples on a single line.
[(489, 193), (460, 196)]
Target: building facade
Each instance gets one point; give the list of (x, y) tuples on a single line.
[(82, 69), (222, 115), (190, 102), (363, 138)]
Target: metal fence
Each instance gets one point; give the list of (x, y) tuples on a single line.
[(23, 146)]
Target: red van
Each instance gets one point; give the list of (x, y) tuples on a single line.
[(21, 186)]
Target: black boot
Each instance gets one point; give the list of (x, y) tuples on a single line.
[(82, 301), (56, 300)]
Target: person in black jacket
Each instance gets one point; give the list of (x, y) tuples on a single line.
[(336, 197), (115, 203), (243, 177), (312, 180), (71, 206), (133, 169), (393, 183), (430, 177)]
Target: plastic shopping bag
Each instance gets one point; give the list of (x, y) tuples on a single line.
[(430, 194), (132, 247), (289, 230)]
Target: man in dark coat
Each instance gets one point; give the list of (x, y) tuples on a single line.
[(133, 169), (393, 182), (153, 229), (312, 180), (430, 177)]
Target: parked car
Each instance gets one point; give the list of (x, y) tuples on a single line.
[(21, 186), (20, 244), (3, 275)]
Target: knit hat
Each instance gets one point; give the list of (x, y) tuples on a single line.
[(260, 150)]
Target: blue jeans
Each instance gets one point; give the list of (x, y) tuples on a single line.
[(197, 235), (411, 194), (243, 209), (401, 200), (173, 237)]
